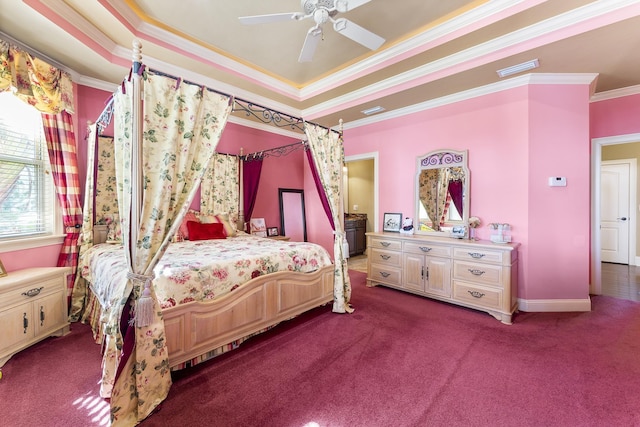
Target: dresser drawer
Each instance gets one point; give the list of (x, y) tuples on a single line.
[(485, 274), (483, 255), (383, 256), (385, 274), (381, 243), (477, 295), (425, 248)]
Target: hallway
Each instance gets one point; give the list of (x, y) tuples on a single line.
[(621, 281)]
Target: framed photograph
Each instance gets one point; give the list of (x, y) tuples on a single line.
[(272, 231), (258, 227), (3, 272), (392, 222)]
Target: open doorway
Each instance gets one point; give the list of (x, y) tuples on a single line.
[(626, 144), (361, 201)]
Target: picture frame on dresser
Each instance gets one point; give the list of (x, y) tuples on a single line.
[(3, 272), (392, 222), (272, 231)]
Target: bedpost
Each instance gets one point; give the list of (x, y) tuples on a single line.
[(342, 200), (136, 147), (240, 223)]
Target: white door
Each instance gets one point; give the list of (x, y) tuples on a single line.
[(614, 211)]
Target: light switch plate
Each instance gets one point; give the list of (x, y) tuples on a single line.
[(557, 181)]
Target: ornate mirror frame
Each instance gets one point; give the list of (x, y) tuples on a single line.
[(449, 163)]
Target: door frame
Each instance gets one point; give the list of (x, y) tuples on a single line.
[(370, 156), (595, 286)]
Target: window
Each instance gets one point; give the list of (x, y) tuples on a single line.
[(26, 186)]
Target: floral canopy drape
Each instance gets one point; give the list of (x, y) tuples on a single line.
[(328, 158), (180, 128), (220, 189), (50, 91)]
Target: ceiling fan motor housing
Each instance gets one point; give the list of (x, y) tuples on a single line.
[(309, 6)]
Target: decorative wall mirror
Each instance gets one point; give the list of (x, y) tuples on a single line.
[(442, 192), (293, 221)]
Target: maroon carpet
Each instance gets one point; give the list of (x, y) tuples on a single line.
[(398, 360)]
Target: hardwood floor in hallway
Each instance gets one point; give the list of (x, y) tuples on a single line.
[(621, 281)]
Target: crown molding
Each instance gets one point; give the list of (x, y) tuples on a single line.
[(154, 34), (461, 25), (481, 54), (616, 93), (7, 38), (528, 79)]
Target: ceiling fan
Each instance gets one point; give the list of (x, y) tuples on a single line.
[(322, 11)]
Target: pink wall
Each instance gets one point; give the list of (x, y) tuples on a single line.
[(525, 134), (90, 103), (619, 116), (559, 217), (515, 139), (277, 172)]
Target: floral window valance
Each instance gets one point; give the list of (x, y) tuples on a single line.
[(47, 88)]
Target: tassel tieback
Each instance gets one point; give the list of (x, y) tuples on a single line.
[(144, 305)]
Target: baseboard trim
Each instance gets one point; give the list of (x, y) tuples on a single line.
[(554, 305)]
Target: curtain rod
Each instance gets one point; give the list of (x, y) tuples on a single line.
[(275, 152), (264, 114)]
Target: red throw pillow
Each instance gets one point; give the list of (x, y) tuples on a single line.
[(199, 231), (183, 231)]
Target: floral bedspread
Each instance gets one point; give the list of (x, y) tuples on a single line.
[(203, 269)]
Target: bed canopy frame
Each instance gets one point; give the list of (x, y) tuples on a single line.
[(142, 380)]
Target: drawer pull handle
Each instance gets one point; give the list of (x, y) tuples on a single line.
[(33, 292), (385, 244), (25, 322), (385, 274), (425, 249), (476, 294), (476, 272), (475, 255), (41, 316), (385, 257)]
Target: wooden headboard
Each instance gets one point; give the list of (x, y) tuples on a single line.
[(99, 234)]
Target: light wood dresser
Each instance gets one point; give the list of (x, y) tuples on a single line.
[(475, 274), (33, 306)]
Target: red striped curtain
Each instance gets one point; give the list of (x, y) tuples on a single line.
[(50, 91), (61, 144)]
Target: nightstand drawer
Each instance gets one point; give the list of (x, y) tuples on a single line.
[(20, 295)]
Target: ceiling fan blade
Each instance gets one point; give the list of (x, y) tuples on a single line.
[(347, 5), (314, 35), (358, 34), (265, 19)]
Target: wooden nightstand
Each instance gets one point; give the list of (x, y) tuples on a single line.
[(33, 306), (285, 238)]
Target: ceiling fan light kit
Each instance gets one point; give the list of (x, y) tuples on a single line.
[(322, 11)]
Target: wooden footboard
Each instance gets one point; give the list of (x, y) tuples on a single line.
[(196, 328)]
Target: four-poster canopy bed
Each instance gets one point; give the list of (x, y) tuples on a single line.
[(164, 138)]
